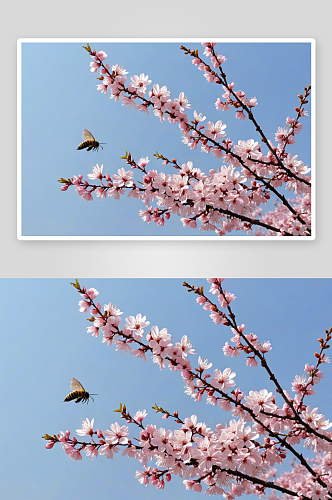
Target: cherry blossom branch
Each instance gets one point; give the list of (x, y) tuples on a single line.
[(313, 371), (117, 437), (251, 340), (206, 139), (243, 218), (240, 101), (101, 190), (222, 198), (204, 385), (231, 455), (259, 178), (229, 322), (149, 103)]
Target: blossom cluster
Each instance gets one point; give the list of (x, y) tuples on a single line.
[(228, 199), (233, 459)]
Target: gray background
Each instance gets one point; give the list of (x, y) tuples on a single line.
[(210, 19)]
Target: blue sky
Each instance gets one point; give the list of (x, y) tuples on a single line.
[(59, 100), (44, 344)]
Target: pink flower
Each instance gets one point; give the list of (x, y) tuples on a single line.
[(75, 455), (84, 306), (314, 419), (111, 327), (185, 346), (160, 341), (115, 192), (234, 352), (119, 71), (160, 97), (101, 193), (123, 179), (92, 451), (131, 452), (161, 182), (92, 293), (216, 318), (295, 165), (101, 55), (118, 435), (87, 428), (225, 299), (140, 415), (215, 131), (204, 364), (139, 353), (240, 115), (108, 450), (94, 66), (143, 476), (251, 361), (112, 310), (261, 401), (137, 324), (121, 345), (161, 439), (223, 380), (247, 149), (102, 87), (300, 385), (143, 163), (183, 101), (97, 173), (140, 82), (198, 117)]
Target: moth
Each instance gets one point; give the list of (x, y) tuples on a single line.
[(89, 142), (78, 392)]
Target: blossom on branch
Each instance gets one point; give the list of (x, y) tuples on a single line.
[(233, 459), (221, 201)]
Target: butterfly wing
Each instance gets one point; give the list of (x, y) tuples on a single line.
[(75, 385), (87, 136)]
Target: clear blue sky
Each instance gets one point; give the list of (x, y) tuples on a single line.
[(60, 99), (44, 344)]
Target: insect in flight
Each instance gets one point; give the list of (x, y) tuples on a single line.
[(89, 142), (78, 392)]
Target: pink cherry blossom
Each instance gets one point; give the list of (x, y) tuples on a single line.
[(118, 435), (228, 459), (260, 401), (228, 199), (108, 450), (140, 82), (97, 172), (223, 380), (137, 324), (87, 428)]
